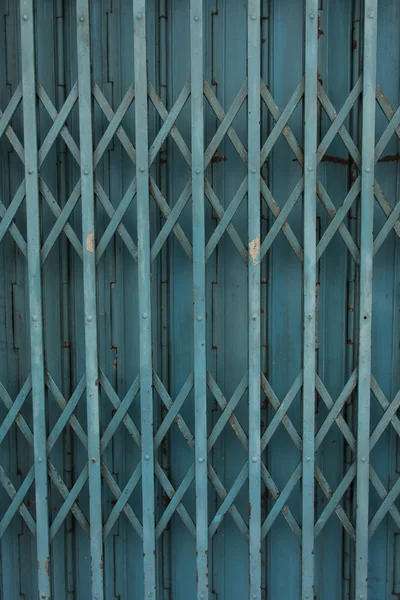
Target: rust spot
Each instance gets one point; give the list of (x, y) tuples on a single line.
[(254, 250), (46, 565), (350, 308), (217, 158), (350, 341), (66, 345), (263, 41), (336, 159), (214, 347), (355, 45), (250, 509), (96, 382), (90, 242), (320, 31), (390, 158), (163, 161)]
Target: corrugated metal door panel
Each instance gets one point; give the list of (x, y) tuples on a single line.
[(220, 368)]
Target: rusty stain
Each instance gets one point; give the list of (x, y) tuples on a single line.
[(217, 158), (320, 31), (355, 45), (254, 250), (90, 242)]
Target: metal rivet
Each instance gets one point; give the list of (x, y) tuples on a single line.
[(371, 16), (201, 460), (147, 457), (199, 318), (144, 315), (202, 595), (363, 459), (196, 18), (253, 171), (254, 317), (254, 596), (30, 172), (367, 170), (25, 17), (96, 596), (82, 19), (308, 458), (312, 15), (139, 16), (39, 459), (90, 318), (254, 459), (34, 318), (86, 171), (197, 171), (309, 169), (310, 316), (93, 460), (142, 169), (361, 596), (253, 17)]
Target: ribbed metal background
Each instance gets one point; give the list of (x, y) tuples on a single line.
[(157, 342)]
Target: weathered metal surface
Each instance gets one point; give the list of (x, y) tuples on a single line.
[(199, 297)]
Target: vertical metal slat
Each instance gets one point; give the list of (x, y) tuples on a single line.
[(366, 268), (254, 231), (143, 227), (199, 312), (35, 294), (309, 283), (89, 293)]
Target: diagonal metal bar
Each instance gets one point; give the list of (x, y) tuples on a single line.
[(384, 508), (175, 501), (276, 404), (169, 120), (171, 221), (280, 414), (114, 124), (282, 121), (334, 499), (225, 124), (228, 500), (227, 412), (338, 120), (335, 408), (281, 500), (17, 503), (281, 220), (7, 115), (14, 408)]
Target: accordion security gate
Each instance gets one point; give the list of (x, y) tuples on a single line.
[(199, 333)]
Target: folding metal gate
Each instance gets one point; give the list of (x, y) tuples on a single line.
[(200, 299)]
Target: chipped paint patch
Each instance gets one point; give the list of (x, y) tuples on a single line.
[(254, 250), (90, 242)]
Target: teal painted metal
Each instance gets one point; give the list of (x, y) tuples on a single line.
[(199, 298)]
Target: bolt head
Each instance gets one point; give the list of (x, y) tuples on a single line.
[(367, 170), (254, 317), (30, 172), (371, 16), (142, 169), (196, 18), (254, 459), (93, 460), (34, 318), (144, 315), (199, 318), (86, 171), (39, 459), (197, 171), (201, 460), (25, 17), (308, 458), (90, 318), (312, 15), (82, 19), (139, 16), (253, 17), (309, 169), (253, 171), (147, 457)]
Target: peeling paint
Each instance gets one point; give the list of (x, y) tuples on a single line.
[(254, 250), (90, 242)]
